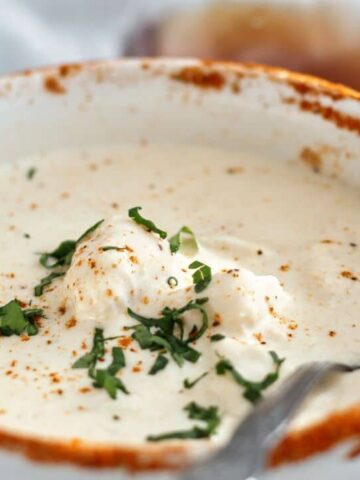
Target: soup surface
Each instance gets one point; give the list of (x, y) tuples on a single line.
[(272, 266)]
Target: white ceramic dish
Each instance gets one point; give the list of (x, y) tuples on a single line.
[(227, 105)]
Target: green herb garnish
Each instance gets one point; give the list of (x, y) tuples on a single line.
[(217, 337), (148, 224), (178, 349), (106, 377), (210, 416), (159, 364), (167, 332), (202, 275), (26, 235), (253, 390), (89, 230), (60, 258), (39, 289), (190, 384), (172, 282), (111, 247), (183, 238), (30, 173), (62, 255), (90, 359), (17, 321)]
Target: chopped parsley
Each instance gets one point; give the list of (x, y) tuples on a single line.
[(60, 258), (111, 247), (105, 377), (148, 224), (39, 289), (62, 255), (30, 173), (178, 349), (253, 390), (210, 416), (202, 275), (15, 320), (159, 364), (166, 333), (26, 235), (98, 351), (217, 337), (190, 384), (183, 238), (89, 230), (172, 282)]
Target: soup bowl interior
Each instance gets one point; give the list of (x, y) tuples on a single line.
[(227, 106)]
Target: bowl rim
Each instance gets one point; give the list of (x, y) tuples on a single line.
[(295, 446), (314, 83)]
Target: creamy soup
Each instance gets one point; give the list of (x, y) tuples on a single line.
[(269, 262)]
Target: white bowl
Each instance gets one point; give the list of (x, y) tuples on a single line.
[(227, 105)]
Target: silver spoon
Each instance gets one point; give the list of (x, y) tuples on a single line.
[(245, 454)]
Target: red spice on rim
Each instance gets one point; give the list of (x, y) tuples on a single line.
[(69, 69), (340, 119), (307, 89), (317, 438), (52, 85), (200, 77)]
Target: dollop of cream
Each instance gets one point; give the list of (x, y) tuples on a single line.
[(123, 265), (248, 307), (103, 282)]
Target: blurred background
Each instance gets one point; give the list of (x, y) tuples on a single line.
[(320, 37)]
